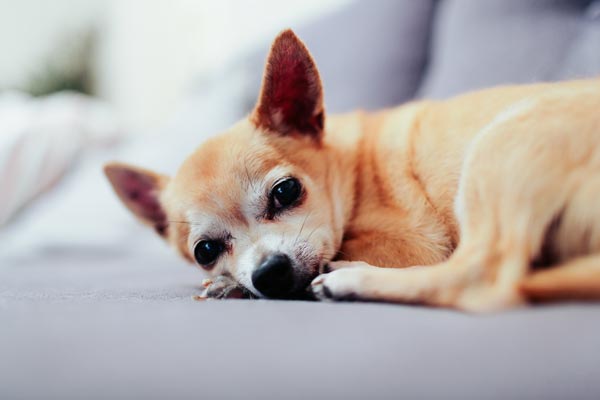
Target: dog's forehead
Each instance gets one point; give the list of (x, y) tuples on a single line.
[(223, 172)]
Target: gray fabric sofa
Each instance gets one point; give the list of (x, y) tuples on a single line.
[(114, 318)]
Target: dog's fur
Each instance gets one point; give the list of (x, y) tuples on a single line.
[(482, 202)]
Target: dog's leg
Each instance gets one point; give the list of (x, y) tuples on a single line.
[(473, 279), (356, 280), (513, 184), (576, 245)]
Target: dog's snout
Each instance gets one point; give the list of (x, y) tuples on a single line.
[(275, 276)]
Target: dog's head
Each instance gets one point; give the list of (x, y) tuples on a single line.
[(258, 201)]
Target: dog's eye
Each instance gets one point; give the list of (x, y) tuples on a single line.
[(285, 193), (207, 251)]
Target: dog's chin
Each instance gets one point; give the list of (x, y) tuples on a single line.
[(304, 293), (309, 273), (303, 277)]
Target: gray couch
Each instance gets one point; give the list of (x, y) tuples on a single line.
[(113, 318)]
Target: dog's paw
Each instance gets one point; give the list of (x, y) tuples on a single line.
[(342, 284), (223, 287)]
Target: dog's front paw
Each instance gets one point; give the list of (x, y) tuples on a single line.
[(341, 284), (223, 287)]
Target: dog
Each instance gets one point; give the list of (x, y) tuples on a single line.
[(482, 202)]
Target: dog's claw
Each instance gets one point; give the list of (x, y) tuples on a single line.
[(340, 285), (319, 290), (318, 281)]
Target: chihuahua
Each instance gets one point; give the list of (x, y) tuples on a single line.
[(482, 202)]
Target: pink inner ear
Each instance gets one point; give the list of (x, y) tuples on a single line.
[(291, 93), (140, 193)]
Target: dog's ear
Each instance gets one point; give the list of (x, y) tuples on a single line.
[(140, 191), (291, 97)]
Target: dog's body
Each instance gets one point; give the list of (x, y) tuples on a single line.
[(470, 193), (511, 173)]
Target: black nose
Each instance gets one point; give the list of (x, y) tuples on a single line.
[(274, 277)]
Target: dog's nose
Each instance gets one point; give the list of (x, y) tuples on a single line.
[(274, 277)]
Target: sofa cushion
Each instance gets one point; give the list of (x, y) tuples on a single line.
[(478, 44), (108, 325), (583, 58), (370, 54)]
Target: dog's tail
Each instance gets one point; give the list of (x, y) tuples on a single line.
[(578, 279)]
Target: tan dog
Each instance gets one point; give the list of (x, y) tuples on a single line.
[(482, 202)]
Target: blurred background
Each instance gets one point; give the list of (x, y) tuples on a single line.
[(146, 81), (140, 56)]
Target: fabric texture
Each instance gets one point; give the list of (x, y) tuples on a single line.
[(124, 326)]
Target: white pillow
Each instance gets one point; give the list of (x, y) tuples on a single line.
[(40, 138)]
